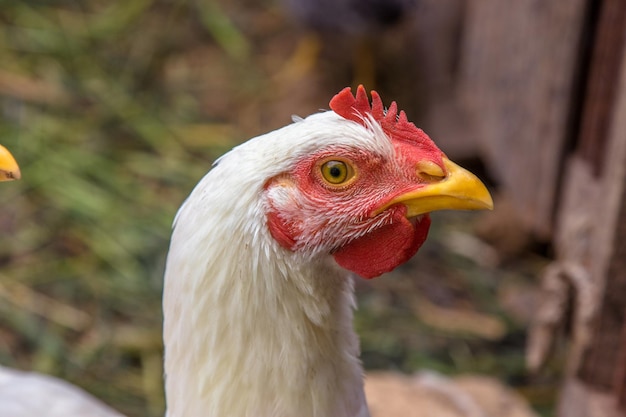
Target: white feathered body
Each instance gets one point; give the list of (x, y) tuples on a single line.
[(252, 329)]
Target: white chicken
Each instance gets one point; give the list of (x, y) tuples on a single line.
[(258, 295), (257, 300)]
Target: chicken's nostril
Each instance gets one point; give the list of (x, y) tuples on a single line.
[(430, 171), (430, 178)]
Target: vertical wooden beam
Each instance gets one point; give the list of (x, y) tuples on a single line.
[(601, 363), (596, 133), (597, 381), (518, 73), (620, 374), (601, 88)]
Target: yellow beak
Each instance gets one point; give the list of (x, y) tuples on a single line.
[(9, 170), (456, 189)]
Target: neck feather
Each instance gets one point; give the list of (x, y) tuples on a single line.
[(251, 329)]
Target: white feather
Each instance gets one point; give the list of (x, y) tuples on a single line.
[(252, 329), (28, 394)]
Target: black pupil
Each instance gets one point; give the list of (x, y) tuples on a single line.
[(335, 171)]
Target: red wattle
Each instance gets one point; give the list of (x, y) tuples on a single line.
[(384, 249)]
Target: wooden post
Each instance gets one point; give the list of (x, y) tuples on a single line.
[(544, 84), (595, 196), (620, 374)]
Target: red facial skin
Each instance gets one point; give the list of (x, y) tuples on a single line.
[(340, 219), (311, 214)]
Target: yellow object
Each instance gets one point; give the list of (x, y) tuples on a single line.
[(459, 189), (9, 170)]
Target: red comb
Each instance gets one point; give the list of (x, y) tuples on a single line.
[(356, 108)]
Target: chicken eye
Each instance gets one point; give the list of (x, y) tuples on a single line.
[(336, 172)]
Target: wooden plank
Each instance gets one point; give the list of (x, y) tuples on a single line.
[(601, 144), (517, 79), (599, 98), (599, 366), (600, 246), (620, 375)]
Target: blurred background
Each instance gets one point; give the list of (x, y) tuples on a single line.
[(115, 109)]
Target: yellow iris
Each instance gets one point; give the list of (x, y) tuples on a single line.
[(336, 172)]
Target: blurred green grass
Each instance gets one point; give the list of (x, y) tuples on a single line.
[(108, 151), (114, 110)]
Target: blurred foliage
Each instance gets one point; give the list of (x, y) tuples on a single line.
[(114, 110), (108, 151)]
